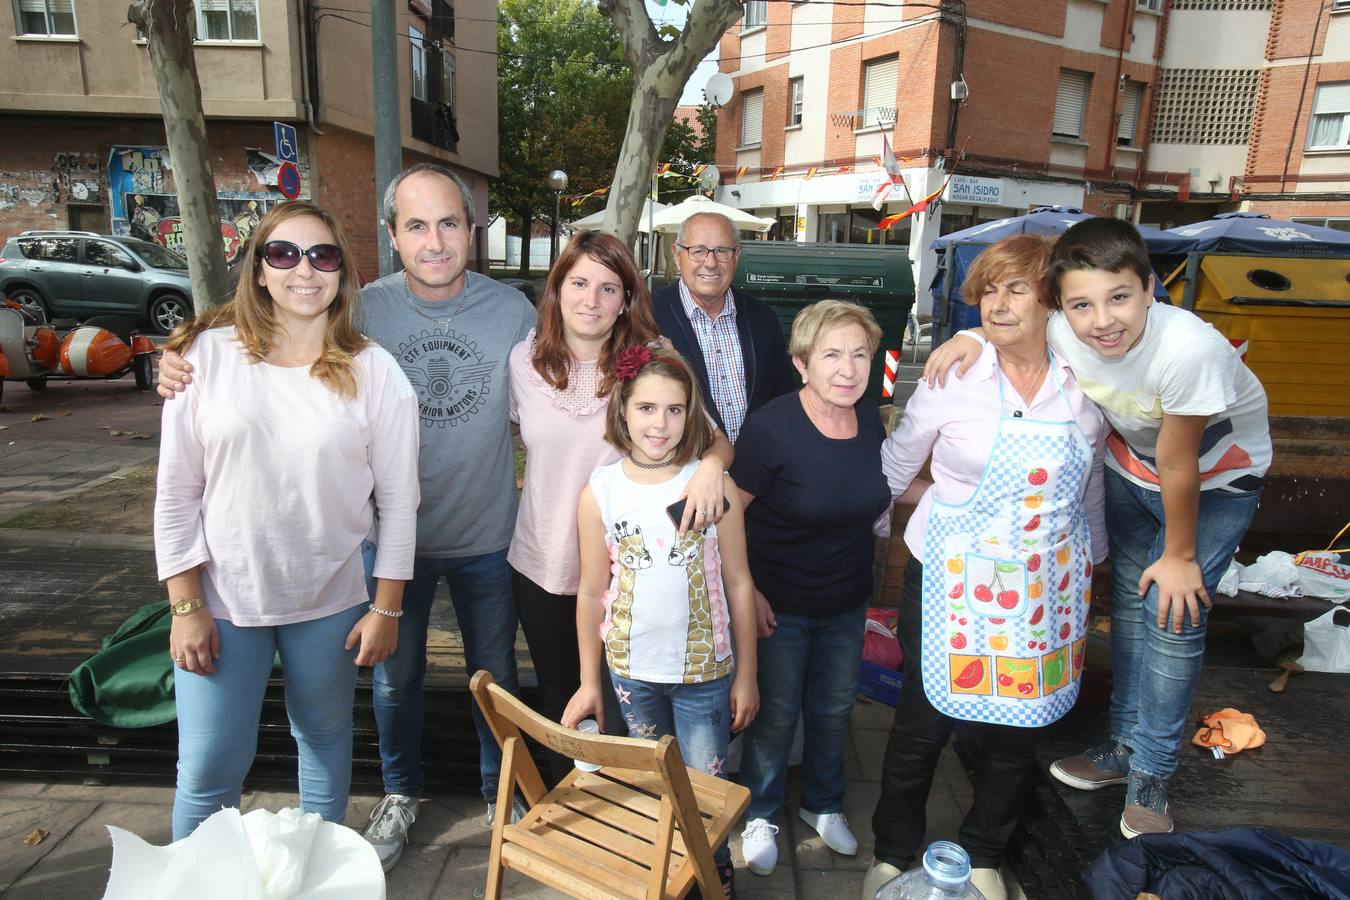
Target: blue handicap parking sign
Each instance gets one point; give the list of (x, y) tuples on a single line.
[(287, 148)]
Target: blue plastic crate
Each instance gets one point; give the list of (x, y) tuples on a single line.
[(879, 683)]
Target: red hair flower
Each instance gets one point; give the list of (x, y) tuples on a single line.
[(631, 361)]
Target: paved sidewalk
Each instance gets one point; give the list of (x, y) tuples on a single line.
[(447, 857), (33, 472)]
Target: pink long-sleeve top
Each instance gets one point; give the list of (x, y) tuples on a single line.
[(266, 479), (958, 424)]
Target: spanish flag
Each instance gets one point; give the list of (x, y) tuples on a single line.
[(776, 172), (663, 169), (740, 173), (810, 173)]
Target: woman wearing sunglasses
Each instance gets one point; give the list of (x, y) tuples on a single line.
[(272, 472)]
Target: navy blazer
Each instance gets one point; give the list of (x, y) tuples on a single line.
[(768, 370)]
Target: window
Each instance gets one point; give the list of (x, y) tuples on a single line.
[(447, 79), (101, 253), (50, 249), (752, 117), (419, 63), (794, 110), (880, 81), (47, 17), (227, 20), (1130, 105), (1340, 5), (1150, 5), (1070, 103), (756, 13), (1338, 224), (1331, 117)]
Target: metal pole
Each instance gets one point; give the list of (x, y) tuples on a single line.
[(553, 238), (388, 122)]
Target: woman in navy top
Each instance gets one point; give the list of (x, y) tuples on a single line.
[(808, 465)]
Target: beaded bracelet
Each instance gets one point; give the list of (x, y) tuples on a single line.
[(391, 613)]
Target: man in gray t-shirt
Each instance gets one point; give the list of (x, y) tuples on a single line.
[(451, 332)]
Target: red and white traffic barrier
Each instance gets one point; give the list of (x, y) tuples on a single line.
[(888, 376)]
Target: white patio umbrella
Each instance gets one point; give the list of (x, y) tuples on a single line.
[(670, 220), (649, 207)]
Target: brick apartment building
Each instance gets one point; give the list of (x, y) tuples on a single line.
[(84, 142), (1162, 111)]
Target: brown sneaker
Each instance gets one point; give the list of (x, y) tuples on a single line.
[(1145, 807), (1105, 764)]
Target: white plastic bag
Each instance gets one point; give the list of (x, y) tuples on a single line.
[(1273, 575), (1321, 574), (1231, 580), (259, 856), (1326, 642)]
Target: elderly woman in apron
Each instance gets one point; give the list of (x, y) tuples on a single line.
[(994, 608)]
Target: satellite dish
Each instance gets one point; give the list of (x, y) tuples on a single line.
[(709, 179), (719, 89)]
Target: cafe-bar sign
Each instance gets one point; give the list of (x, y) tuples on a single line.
[(975, 191)]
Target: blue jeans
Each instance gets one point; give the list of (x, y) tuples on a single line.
[(1156, 671), (808, 667), (480, 589), (699, 715), (218, 716)]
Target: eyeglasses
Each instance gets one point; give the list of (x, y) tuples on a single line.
[(285, 255), (698, 253)]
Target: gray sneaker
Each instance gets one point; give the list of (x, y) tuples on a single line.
[(1145, 806), (1105, 764), (388, 829), (518, 811)]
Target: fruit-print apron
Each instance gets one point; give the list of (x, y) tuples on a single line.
[(1007, 579)]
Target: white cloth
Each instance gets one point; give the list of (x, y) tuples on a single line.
[(288, 855), (666, 596), (1181, 366), (266, 476)]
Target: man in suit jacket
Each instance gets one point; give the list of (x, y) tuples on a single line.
[(732, 340)]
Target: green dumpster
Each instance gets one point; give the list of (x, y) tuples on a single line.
[(790, 276)]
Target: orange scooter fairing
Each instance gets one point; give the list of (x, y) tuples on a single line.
[(45, 348), (93, 351)]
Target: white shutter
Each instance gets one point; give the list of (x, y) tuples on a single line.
[(880, 81), (1070, 102), (752, 117), (1332, 98), (1129, 112)]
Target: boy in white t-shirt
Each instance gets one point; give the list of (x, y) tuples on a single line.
[(1184, 475)]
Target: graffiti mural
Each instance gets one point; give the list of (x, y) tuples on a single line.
[(154, 217)]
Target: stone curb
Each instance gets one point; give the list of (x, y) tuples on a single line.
[(74, 540)]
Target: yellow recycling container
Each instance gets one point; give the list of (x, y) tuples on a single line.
[(1289, 319)]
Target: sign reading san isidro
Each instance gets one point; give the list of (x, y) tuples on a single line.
[(977, 191)]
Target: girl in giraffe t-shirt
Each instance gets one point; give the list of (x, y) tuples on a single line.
[(668, 616)]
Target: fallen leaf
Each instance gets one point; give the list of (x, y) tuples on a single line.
[(140, 437), (36, 836), (3, 427), (113, 432), (39, 418), (64, 414)]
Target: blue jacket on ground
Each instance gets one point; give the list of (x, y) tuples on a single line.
[(768, 371), (1237, 864)]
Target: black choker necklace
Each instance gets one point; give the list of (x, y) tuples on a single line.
[(655, 465)]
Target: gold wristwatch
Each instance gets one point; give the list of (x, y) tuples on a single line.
[(186, 607)]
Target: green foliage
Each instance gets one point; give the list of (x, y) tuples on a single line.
[(563, 92)]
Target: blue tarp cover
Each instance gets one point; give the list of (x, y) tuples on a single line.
[(1253, 232)]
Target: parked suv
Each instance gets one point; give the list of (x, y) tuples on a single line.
[(80, 274)]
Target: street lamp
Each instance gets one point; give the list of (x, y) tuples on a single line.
[(557, 183)]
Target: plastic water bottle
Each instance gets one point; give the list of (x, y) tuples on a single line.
[(945, 875)]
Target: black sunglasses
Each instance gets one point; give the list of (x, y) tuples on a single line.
[(285, 255)]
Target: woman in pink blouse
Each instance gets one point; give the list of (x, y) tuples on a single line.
[(993, 613), (595, 303)]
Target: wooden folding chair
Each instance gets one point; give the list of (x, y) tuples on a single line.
[(643, 826)]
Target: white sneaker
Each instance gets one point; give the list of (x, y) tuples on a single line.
[(879, 874), (759, 847), (833, 830), (518, 811), (990, 883), (388, 829)]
